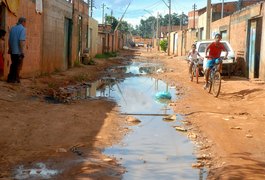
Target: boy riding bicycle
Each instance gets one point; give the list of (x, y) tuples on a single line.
[(215, 49), (192, 56)]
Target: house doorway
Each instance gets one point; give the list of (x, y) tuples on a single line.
[(254, 45), (80, 35), (3, 63), (67, 43)]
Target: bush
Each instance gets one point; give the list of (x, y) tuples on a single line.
[(163, 45), (106, 55), (77, 63)]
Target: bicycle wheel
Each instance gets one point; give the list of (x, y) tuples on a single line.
[(192, 74), (216, 83), (197, 75), (209, 86)]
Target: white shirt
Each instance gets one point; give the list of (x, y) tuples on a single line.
[(193, 56)]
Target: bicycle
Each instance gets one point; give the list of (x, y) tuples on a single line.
[(195, 71), (215, 79)]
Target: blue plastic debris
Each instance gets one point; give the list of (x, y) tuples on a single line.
[(163, 95)]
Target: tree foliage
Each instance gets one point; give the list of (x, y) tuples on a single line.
[(124, 26), (148, 27), (163, 45)]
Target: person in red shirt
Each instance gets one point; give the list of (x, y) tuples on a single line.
[(215, 49)]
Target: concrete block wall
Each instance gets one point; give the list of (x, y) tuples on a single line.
[(80, 10), (237, 31), (171, 42), (221, 25), (190, 39), (100, 43), (239, 23), (93, 25), (54, 16), (33, 53), (262, 52), (181, 49)]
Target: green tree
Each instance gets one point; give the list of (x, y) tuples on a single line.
[(112, 21), (163, 45), (147, 27)]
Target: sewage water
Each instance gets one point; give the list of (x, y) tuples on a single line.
[(153, 149)]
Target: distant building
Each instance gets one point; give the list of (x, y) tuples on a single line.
[(229, 8)]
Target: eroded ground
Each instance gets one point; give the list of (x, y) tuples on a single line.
[(228, 130)]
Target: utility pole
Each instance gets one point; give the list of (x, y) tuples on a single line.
[(116, 28), (157, 36), (122, 17), (239, 4), (222, 12), (181, 21), (208, 19), (103, 8), (169, 27), (194, 11), (91, 4)]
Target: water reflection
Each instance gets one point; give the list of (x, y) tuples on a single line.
[(154, 150)]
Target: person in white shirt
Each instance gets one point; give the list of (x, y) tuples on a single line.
[(193, 56)]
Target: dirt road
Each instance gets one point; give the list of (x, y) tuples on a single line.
[(229, 129), (59, 135)]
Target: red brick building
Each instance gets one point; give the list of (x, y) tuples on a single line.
[(10, 12), (57, 32), (229, 8)]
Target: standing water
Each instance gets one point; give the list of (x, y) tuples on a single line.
[(154, 149)]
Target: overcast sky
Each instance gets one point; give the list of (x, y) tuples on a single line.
[(138, 8)]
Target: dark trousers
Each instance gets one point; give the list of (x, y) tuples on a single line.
[(15, 68)]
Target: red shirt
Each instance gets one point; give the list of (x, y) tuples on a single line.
[(216, 49)]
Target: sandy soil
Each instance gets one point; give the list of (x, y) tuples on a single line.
[(59, 135), (229, 130)]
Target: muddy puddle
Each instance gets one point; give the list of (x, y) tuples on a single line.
[(153, 149)]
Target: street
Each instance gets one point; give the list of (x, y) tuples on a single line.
[(69, 137)]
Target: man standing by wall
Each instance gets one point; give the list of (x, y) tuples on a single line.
[(16, 43)]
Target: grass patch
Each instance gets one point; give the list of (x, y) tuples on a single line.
[(52, 85), (80, 77), (106, 55), (77, 63)]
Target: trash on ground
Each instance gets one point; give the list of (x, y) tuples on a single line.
[(108, 160), (197, 165), (163, 95), (249, 136), (192, 135), (61, 150), (179, 128), (238, 128), (160, 70), (40, 172), (172, 117), (132, 120)]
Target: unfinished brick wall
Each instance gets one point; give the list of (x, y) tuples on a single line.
[(220, 26), (80, 11), (34, 26)]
